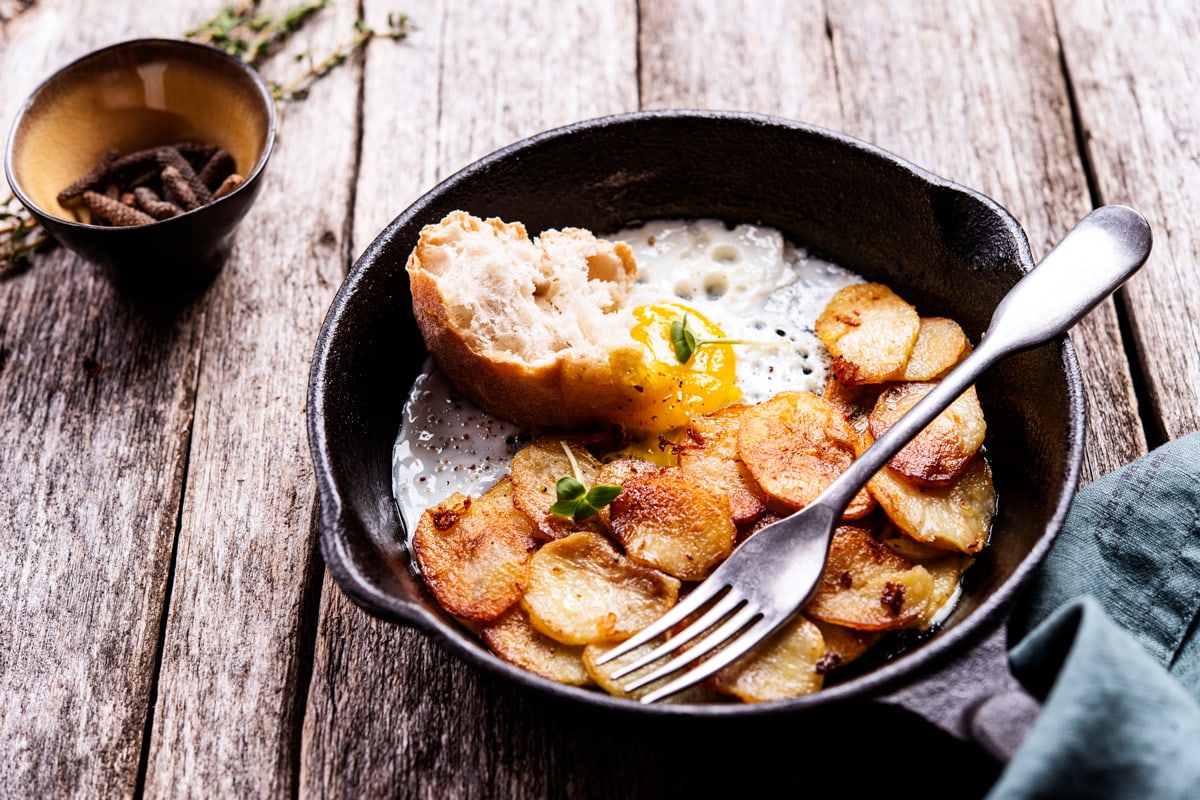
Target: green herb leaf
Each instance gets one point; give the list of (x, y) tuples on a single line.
[(683, 340), (601, 495), (577, 502), (686, 344)]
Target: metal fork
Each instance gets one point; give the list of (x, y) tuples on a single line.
[(772, 573)]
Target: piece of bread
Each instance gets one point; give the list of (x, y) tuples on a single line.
[(532, 331)]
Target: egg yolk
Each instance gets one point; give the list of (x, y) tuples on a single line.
[(671, 393)]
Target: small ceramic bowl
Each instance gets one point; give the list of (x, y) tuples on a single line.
[(132, 96)]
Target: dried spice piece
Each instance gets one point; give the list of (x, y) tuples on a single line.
[(178, 190), (151, 177), (169, 157), (197, 155), (218, 167), (112, 210), (91, 180), (228, 185), (136, 163), (149, 201), (157, 182)]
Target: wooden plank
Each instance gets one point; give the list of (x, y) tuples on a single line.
[(772, 57), (1133, 69), (389, 713), (98, 392), (234, 662), (974, 91)]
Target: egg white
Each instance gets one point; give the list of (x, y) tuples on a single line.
[(748, 280)]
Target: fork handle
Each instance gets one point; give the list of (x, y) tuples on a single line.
[(1099, 254)]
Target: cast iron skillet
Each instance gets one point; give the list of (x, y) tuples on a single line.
[(947, 249)]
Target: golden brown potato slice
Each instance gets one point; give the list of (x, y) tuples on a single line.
[(855, 402), (867, 586), (870, 332), (514, 639), (783, 666), (474, 553), (940, 453), (940, 345), (673, 522), (615, 473), (602, 675), (582, 590), (536, 469), (905, 545), (750, 528), (947, 573), (708, 450), (794, 445), (954, 517), (842, 644)]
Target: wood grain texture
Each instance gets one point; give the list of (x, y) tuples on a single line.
[(377, 723), (1136, 96), (772, 57), (974, 91), (97, 390), (246, 570)]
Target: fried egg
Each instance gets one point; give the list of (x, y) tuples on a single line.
[(743, 284)]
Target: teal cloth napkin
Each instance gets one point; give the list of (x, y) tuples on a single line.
[(1109, 637)]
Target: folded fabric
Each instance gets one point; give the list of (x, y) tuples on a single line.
[(1108, 637)]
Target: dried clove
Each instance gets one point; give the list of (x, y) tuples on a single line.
[(153, 184)]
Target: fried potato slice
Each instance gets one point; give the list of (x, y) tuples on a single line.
[(708, 450), (536, 469), (870, 332), (905, 545), (867, 586), (602, 675), (673, 522), (783, 666), (954, 517), (475, 553), (940, 453), (940, 345), (513, 638), (750, 528), (615, 473), (947, 573), (842, 644), (855, 402), (795, 445), (581, 590)]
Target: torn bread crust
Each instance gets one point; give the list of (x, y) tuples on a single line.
[(517, 323)]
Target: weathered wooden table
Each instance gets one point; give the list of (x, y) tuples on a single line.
[(166, 627)]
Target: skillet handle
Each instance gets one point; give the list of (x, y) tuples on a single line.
[(975, 698)]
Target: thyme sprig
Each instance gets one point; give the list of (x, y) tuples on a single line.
[(254, 36), (574, 500), (20, 235)]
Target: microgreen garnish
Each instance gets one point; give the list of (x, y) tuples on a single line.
[(576, 501), (685, 342)]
